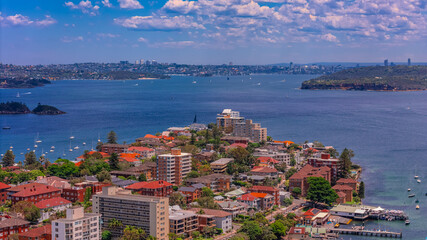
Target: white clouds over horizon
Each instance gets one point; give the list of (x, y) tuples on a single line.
[(130, 4), (84, 6), (21, 20)]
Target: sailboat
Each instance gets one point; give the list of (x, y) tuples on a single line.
[(84, 143), (99, 138), (38, 139), (70, 147), (17, 95), (194, 82), (72, 137)]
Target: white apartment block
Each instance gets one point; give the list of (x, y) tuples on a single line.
[(77, 225)]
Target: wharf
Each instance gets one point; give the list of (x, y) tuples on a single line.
[(370, 233)]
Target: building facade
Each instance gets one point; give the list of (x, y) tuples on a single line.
[(11, 225), (146, 212), (78, 225), (32, 192), (251, 130), (173, 167), (158, 188)]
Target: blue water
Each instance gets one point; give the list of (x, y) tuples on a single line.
[(386, 130)]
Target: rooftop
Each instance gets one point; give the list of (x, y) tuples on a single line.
[(31, 189), (53, 202), (37, 232), (216, 213), (8, 221), (310, 171), (222, 161), (209, 178), (151, 185)]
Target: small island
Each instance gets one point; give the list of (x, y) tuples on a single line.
[(22, 82), (375, 78), (21, 108)]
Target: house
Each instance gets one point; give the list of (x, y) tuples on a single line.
[(234, 207), (114, 148), (191, 193), (297, 233), (122, 182), (54, 182), (221, 219), (257, 200), (40, 233), (265, 171), (269, 190), (299, 179), (205, 156), (82, 157), (11, 225), (267, 161), (220, 165), (234, 139), (51, 206), (3, 192), (74, 194), (182, 222), (217, 182), (235, 193), (349, 182), (315, 217), (347, 190), (147, 168), (133, 158), (145, 152), (32, 192), (158, 188), (235, 145)]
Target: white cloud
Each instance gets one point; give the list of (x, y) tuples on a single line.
[(130, 4), (21, 20), (84, 6), (107, 3), (174, 44), (329, 37), (108, 35), (141, 39), (67, 39), (158, 23)]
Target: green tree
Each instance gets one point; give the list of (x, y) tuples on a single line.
[(296, 191), (193, 174), (28, 209), (281, 167), (320, 190), (279, 229), (106, 235), (207, 192), (63, 168), (142, 178), (207, 202), (362, 190), (193, 139), (112, 137), (333, 152), (240, 236), (345, 163), (287, 201), (177, 199), (290, 172), (252, 229), (88, 195), (30, 159), (207, 135), (133, 233), (8, 159), (114, 162), (293, 161), (104, 176)]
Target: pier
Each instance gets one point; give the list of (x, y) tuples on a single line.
[(370, 233)]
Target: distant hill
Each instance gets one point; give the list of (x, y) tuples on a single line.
[(375, 78), (22, 82)]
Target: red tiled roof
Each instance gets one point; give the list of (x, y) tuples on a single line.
[(346, 180), (77, 164), (259, 195), (151, 185), (260, 169), (53, 202), (264, 188), (4, 186), (247, 197), (32, 189), (310, 171), (342, 187), (341, 194), (267, 160), (140, 149), (297, 230), (234, 145), (37, 232), (103, 154), (216, 213)]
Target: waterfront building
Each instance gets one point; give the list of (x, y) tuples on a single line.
[(251, 130), (147, 212), (32, 192), (349, 182), (316, 217), (77, 225), (216, 182), (158, 188), (10, 225), (227, 119), (350, 211), (173, 167), (347, 190), (220, 165), (325, 160), (299, 179)]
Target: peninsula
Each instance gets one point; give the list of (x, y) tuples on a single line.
[(375, 78), (22, 82), (21, 108)]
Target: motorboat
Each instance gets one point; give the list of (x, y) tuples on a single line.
[(407, 222), (411, 195), (409, 189), (416, 177), (418, 181), (417, 207)]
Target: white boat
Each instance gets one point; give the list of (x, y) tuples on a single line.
[(22, 153), (70, 150), (416, 176), (136, 84), (409, 189), (259, 84), (17, 95), (84, 144), (194, 82), (72, 137), (417, 207), (28, 149), (35, 146), (76, 147), (51, 150), (418, 181), (53, 147), (43, 155), (11, 147)]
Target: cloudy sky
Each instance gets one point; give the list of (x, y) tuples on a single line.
[(212, 31)]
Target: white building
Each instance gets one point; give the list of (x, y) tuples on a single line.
[(50, 206), (77, 226)]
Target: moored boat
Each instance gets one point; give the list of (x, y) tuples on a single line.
[(411, 195)]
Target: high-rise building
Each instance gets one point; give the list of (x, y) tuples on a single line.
[(251, 130), (173, 167), (78, 225), (146, 212), (141, 61), (137, 62), (228, 118), (409, 62), (386, 62)]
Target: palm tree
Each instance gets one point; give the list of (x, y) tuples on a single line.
[(114, 223)]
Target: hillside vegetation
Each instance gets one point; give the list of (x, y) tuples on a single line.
[(376, 78)]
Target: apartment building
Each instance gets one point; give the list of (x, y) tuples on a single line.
[(10, 225), (228, 118), (158, 188), (325, 160), (220, 165), (3, 192), (182, 222), (77, 225), (147, 212), (114, 148), (251, 130), (273, 191), (173, 167), (299, 179), (217, 182), (32, 192)]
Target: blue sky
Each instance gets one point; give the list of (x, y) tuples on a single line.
[(212, 31)]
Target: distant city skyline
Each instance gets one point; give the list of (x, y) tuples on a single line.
[(213, 31)]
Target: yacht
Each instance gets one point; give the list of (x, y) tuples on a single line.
[(28, 149), (194, 82), (84, 143), (418, 181), (51, 150), (409, 189), (411, 195), (416, 176), (35, 145), (407, 222), (76, 147), (417, 207), (72, 137), (259, 84)]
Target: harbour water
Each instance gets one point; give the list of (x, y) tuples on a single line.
[(386, 130)]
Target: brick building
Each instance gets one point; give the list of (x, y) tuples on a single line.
[(299, 179), (40, 233), (158, 188), (3, 192), (12, 225), (325, 160), (173, 167), (114, 148), (269, 190), (217, 182), (32, 192)]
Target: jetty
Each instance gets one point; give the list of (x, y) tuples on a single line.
[(370, 233)]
